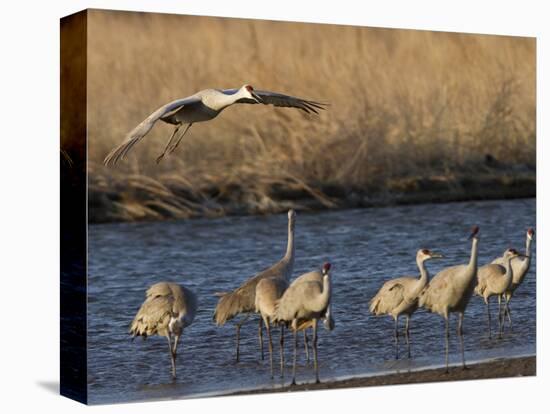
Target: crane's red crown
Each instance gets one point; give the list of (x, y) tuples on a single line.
[(326, 267), (475, 230), (425, 251), (249, 88), (530, 231)]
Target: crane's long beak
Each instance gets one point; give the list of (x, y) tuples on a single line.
[(436, 256), (255, 96)]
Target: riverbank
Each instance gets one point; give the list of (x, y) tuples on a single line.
[(123, 197), (499, 368)]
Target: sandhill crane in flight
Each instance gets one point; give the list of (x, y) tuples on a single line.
[(168, 309), (200, 107), (242, 300), (520, 268), (400, 296), (450, 291), (494, 280), (301, 306), (268, 291)]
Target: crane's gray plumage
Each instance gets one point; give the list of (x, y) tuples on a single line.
[(520, 268), (242, 299), (494, 280), (450, 292), (204, 106), (305, 302), (168, 309), (400, 296)]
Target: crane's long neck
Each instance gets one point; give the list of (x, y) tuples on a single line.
[(288, 258), (473, 255), (223, 100), (424, 276), (509, 272), (321, 302), (289, 255), (527, 261)]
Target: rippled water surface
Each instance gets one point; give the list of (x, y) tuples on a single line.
[(366, 247)]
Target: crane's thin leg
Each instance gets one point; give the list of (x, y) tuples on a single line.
[(172, 356), (239, 334), (261, 339), (306, 345), (175, 346), (446, 344), (407, 334), (174, 146), (282, 349), (507, 298), (461, 337), (270, 345), (238, 339), (488, 316), (500, 317), (396, 336), (161, 156), (294, 362), (315, 364)]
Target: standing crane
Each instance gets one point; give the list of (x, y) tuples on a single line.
[(203, 106), (301, 306), (327, 318), (168, 309), (242, 300), (494, 280), (268, 291), (450, 291), (400, 296), (520, 268)]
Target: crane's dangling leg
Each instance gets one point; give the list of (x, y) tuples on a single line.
[(306, 345), (315, 364), (396, 336), (172, 356), (261, 339), (295, 352), (488, 316), (446, 344), (407, 337), (161, 156), (239, 334), (175, 145), (461, 337), (270, 345), (282, 349)]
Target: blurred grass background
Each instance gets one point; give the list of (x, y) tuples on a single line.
[(430, 115)]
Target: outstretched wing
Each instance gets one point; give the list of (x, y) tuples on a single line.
[(144, 127), (278, 99)]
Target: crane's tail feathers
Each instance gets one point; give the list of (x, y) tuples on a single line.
[(373, 305), (229, 305), (479, 289)]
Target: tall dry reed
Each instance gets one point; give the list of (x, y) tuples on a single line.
[(402, 102)]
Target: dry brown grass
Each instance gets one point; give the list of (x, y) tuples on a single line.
[(402, 103)]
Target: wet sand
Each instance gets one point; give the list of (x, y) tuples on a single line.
[(500, 368)]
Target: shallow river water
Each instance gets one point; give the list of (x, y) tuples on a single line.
[(365, 246)]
